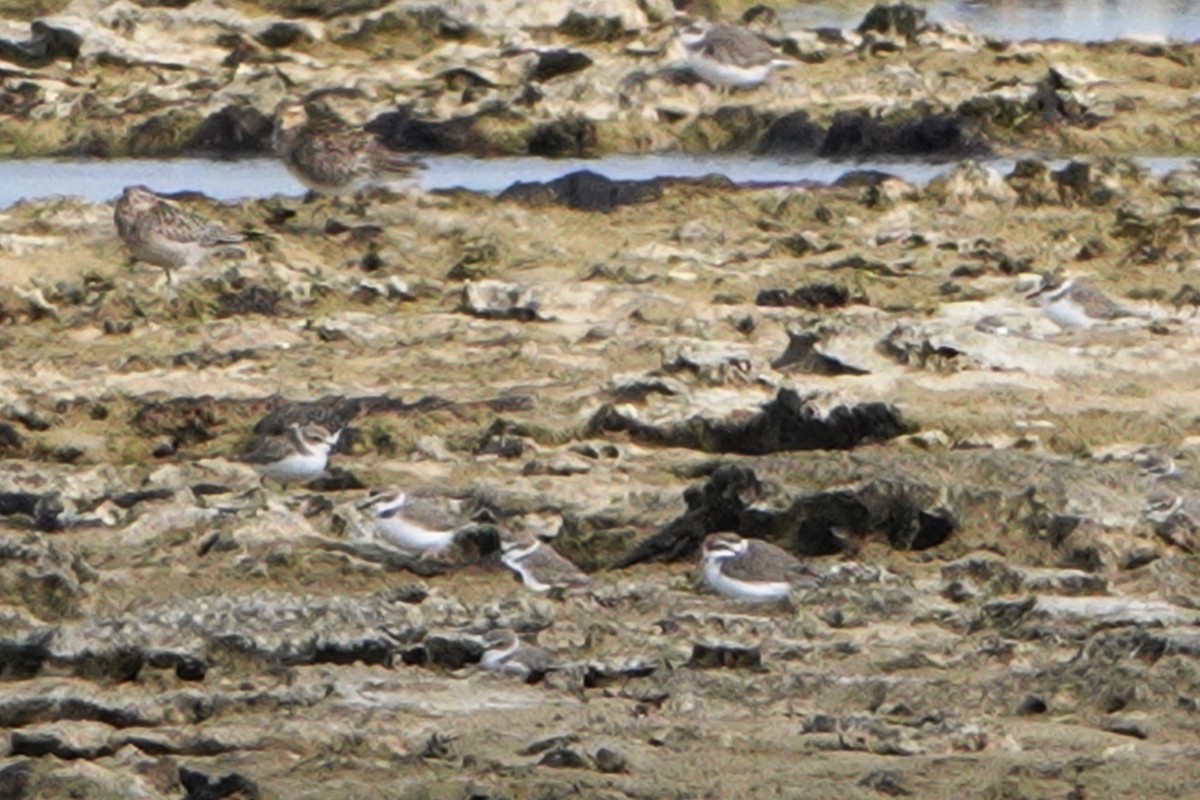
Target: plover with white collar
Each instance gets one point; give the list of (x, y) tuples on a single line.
[(1072, 302), (419, 524), (505, 652), (1176, 518), (300, 454), (751, 569), (539, 566), (726, 56)]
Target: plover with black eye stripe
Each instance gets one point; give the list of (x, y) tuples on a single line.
[(1072, 302), (726, 56), (300, 454), (1176, 518), (419, 524), (539, 566), (505, 652), (161, 232), (751, 569)]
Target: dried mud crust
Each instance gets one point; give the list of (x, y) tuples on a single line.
[(996, 619)]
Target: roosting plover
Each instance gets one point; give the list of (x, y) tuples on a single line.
[(540, 567), (505, 652), (751, 569), (300, 454), (417, 524), (1175, 518), (727, 56), (1073, 303)]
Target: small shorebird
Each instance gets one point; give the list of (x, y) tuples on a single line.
[(1175, 518), (300, 454), (1074, 303), (751, 569), (331, 158), (163, 233), (540, 567), (505, 652), (417, 524), (725, 56)]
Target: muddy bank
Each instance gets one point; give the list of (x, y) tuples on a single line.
[(853, 372), (120, 79)]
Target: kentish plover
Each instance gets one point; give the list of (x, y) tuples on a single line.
[(751, 569), (1175, 518), (300, 454), (1074, 303), (419, 524), (539, 566), (725, 56), (505, 652)]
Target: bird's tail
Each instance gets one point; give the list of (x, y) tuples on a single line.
[(396, 163)]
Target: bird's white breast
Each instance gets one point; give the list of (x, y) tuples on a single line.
[(743, 590)]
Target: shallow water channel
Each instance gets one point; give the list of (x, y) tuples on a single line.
[(100, 181)]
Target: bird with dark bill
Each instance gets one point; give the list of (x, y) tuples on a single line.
[(751, 569)]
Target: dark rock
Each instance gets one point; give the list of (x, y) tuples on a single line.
[(21, 711), (610, 761), (786, 423), (399, 130), (902, 19), (811, 296), (725, 655), (283, 34), (14, 780), (564, 758), (23, 660), (18, 503), (550, 743), (9, 438), (717, 505), (234, 130), (131, 499), (333, 413), (600, 675), (120, 664), (857, 134), (1125, 727), (253, 299), (1032, 705), (792, 134), (588, 28), (452, 652), (199, 786), (336, 479), (49, 743), (43, 509), (877, 506), (801, 355), (187, 420), (553, 63), (46, 45), (885, 781), (187, 667), (366, 651), (570, 136), (584, 190)]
